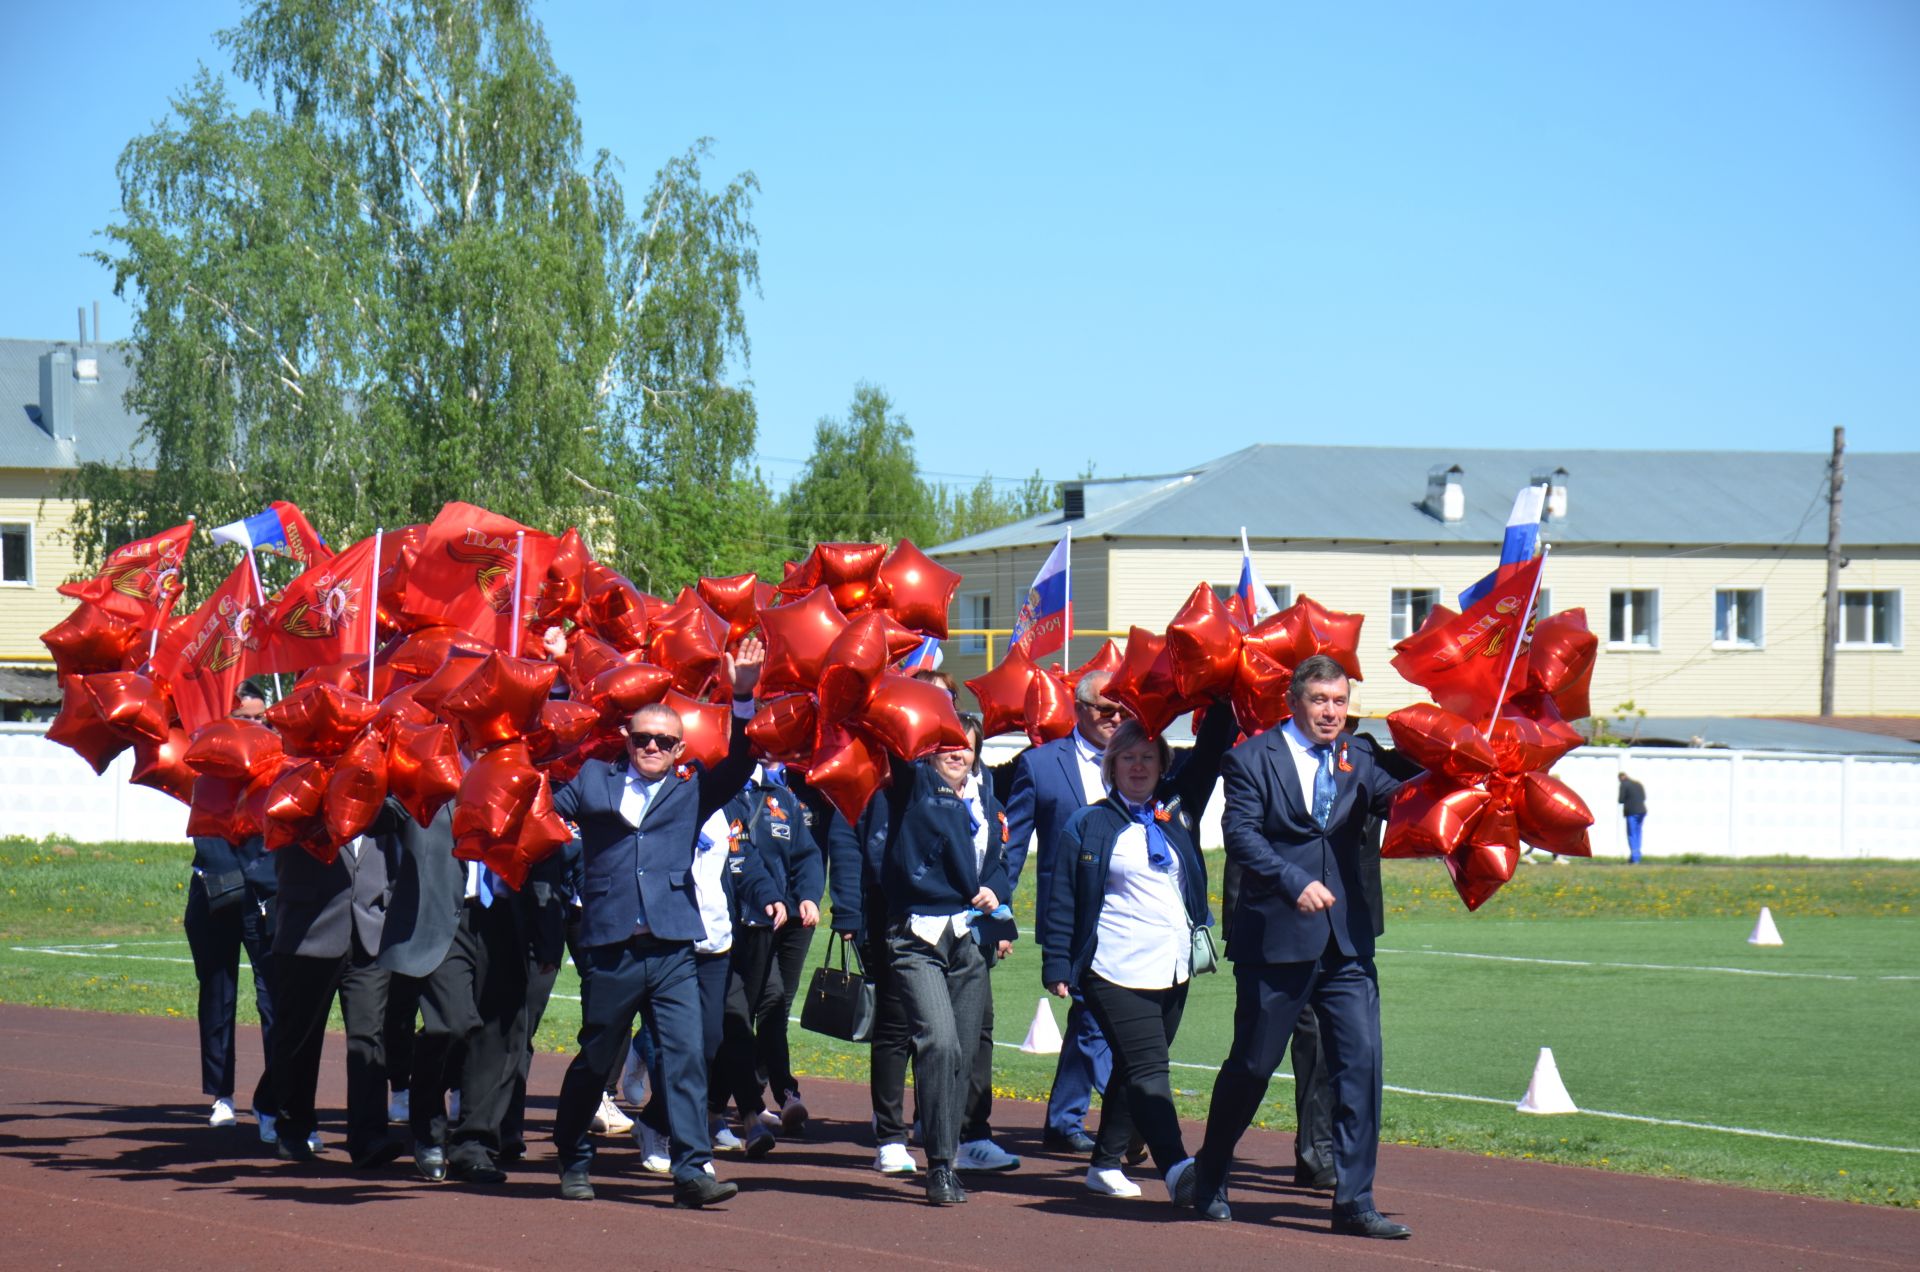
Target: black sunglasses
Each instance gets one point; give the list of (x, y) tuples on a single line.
[(1111, 711), (665, 741)]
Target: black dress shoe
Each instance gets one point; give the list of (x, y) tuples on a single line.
[(1209, 1196), (379, 1153), (943, 1187), (1323, 1179), (480, 1172), (575, 1185), (293, 1148), (1079, 1143), (431, 1162), (701, 1190), (1370, 1223)]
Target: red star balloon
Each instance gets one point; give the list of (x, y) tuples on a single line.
[(917, 590)]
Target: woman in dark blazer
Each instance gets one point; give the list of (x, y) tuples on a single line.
[(229, 907), (1129, 887), (943, 870)]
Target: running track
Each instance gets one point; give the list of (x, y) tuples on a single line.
[(106, 1162)]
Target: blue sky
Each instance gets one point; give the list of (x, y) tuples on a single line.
[(1136, 237)]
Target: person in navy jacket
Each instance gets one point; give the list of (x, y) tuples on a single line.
[(1298, 799), (639, 821), (943, 870), (781, 826), (1130, 886)]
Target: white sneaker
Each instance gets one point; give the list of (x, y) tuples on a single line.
[(267, 1134), (634, 1085), (656, 1157), (711, 1172), (222, 1114), (610, 1120), (399, 1107), (725, 1141), (1109, 1182), (313, 1143), (984, 1155), (771, 1120), (894, 1159)]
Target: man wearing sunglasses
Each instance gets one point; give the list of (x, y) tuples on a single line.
[(639, 819)]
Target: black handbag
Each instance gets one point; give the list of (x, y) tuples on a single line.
[(224, 888), (840, 1001)]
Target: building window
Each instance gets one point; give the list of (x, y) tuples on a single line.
[(1282, 595), (16, 554), (1870, 620), (976, 611), (1411, 605), (1633, 619), (1737, 618)]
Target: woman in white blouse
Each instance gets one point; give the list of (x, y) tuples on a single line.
[(1130, 887)]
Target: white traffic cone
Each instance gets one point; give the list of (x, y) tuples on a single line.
[(1546, 1093), (1764, 932), (1043, 1035)]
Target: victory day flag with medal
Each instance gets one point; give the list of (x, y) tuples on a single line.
[(204, 656), (138, 581), (324, 615), (465, 573)]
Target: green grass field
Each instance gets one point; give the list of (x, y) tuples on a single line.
[(1673, 1034)]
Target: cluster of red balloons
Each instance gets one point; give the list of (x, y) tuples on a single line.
[(1208, 652), (835, 704), (1486, 788), (442, 715)]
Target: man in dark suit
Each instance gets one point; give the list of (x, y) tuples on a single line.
[(1050, 784), (1297, 803), (329, 923), (639, 820)]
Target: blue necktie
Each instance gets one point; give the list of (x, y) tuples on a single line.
[(1159, 854), (484, 889), (1323, 786)]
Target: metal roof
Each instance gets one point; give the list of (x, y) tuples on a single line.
[(1375, 494), (1746, 733), (103, 429)]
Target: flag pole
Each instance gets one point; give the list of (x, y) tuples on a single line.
[(373, 606), (260, 598), (519, 554), (1527, 621), (1066, 641)]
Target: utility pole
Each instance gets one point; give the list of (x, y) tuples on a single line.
[(1835, 480)]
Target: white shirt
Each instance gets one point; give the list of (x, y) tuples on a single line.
[(1143, 939), (636, 795), (1305, 762), (710, 888), (1092, 785)]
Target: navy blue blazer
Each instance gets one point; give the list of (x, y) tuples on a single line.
[(1271, 835), (215, 856), (1046, 793), (1082, 859), (855, 852), (929, 866), (780, 826), (756, 865), (624, 869)]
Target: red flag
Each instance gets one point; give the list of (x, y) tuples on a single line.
[(1462, 661), (465, 572), (204, 656), (324, 615), (138, 581)]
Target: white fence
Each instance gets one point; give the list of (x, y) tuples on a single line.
[(1713, 803)]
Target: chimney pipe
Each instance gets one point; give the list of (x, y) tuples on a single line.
[(1446, 499), (56, 393), (96, 322), (83, 324)]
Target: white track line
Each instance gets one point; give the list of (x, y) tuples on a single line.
[(1645, 967), (97, 951)]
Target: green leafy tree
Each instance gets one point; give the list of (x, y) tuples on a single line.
[(860, 484), (398, 283), (984, 506)]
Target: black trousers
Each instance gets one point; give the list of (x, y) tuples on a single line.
[(513, 1123), (658, 978), (216, 939), (891, 1047), (1312, 1098), (471, 1019), (403, 1013), (735, 1074), (977, 1124), (1345, 995), (1139, 1025), (304, 989), (943, 991), (784, 977)]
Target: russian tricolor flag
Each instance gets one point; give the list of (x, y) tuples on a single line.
[(279, 527), (1252, 601), (926, 656), (1521, 544), (1045, 620)]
